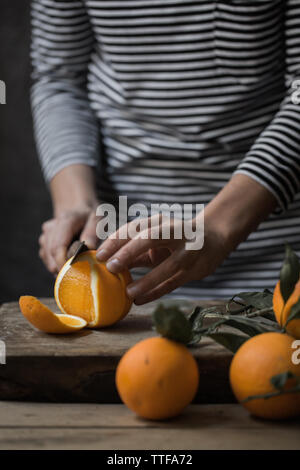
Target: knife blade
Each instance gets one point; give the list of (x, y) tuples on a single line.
[(75, 249)]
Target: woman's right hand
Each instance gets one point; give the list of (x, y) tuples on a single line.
[(59, 232), (74, 202)]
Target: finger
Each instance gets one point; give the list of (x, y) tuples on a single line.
[(113, 243), (159, 254), (49, 264), (164, 288), (141, 261), (121, 237), (88, 234), (164, 271), (48, 225), (150, 259), (44, 242), (125, 256), (62, 236), (47, 259)]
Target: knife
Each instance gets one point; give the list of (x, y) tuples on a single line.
[(75, 249)]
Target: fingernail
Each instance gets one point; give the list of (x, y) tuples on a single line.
[(102, 255), (132, 290), (90, 243), (114, 265)]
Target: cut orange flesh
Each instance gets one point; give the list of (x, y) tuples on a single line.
[(73, 287), (88, 290), (40, 316)]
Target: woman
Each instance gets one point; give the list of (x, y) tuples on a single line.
[(177, 101)]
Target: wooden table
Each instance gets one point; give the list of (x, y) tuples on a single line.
[(81, 367), (94, 426)]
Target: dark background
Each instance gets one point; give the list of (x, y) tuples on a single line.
[(24, 197)]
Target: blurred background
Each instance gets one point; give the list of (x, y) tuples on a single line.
[(24, 197)]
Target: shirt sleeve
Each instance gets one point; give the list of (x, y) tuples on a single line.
[(66, 130), (274, 159)]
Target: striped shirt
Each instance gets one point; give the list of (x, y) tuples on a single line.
[(169, 98)]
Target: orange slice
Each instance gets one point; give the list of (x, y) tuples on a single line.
[(40, 316)]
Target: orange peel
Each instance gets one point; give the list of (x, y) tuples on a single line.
[(40, 316)]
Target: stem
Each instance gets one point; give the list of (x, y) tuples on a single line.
[(260, 313), (272, 394), (244, 307)]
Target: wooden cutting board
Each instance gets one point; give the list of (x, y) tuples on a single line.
[(81, 367)]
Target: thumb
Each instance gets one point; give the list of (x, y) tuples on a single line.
[(88, 234)]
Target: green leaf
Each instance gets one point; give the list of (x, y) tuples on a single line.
[(289, 274), (272, 324), (230, 341), (258, 300), (294, 313), (198, 315), (196, 338), (268, 316), (171, 323), (249, 326)]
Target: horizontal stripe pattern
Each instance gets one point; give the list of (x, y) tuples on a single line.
[(172, 97)]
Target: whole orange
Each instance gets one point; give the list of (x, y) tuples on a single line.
[(282, 311), (255, 363), (157, 378)]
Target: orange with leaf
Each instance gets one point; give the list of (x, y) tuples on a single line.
[(265, 370), (264, 378), (86, 293), (158, 377), (263, 374)]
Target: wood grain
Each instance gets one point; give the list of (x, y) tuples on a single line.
[(94, 426), (81, 367)]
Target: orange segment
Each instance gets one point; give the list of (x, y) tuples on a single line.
[(73, 288), (40, 316), (111, 291)]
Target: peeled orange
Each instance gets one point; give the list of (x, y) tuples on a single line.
[(88, 290), (86, 293)]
